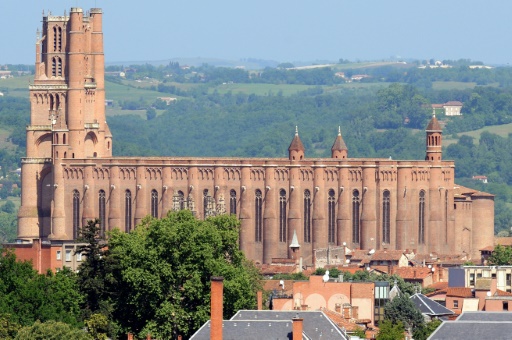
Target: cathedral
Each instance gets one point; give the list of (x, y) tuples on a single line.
[(69, 176)]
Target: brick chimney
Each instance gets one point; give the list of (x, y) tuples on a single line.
[(297, 328), (259, 297), (216, 315)]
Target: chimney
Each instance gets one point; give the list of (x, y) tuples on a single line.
[(297, 328), (259, 296), (148, 337), (130, 336), (216, 307)]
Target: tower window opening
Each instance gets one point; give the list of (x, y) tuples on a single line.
[(307, 216), (154, 203), (282, 216), (76, 213), (54, 66), (355, 216), (331, 206), (128, 211), (258, 202), (386, 221), (421, 218), (101, 210), (232, 202)]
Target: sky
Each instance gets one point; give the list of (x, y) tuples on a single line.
[(279, 30)]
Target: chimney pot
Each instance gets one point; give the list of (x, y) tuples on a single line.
[(216, 301)]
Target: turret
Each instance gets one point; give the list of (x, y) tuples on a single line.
[(434, 139), (339, 148), (296, 149)]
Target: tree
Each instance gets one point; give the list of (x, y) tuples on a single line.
[(422, 333), (8, 207), (150, 113), (162, 273), (51, 330), (389, 330), (502, 255), (402, 309), (92, 274)]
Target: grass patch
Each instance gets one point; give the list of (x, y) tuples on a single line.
[(452, 85), (501, 130), (260, 89)]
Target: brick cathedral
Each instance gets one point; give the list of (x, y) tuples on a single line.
[(69, 176)]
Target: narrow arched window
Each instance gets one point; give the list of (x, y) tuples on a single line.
[(355, 216), (59, 39), (76, 213), (127, 211), (64, 138), (331, 207), (181, 200), (307, 216), (232, 202), (386, 221), (207, 209), (55, 38), (421, 218), (258, 202), (54, 66), (154, 203), (101, 210), (59, 67), (282, 215)]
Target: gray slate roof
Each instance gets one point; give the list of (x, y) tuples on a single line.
[(429, 306), (268, 324), (476, 326)]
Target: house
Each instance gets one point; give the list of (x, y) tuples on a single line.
[(430, 308), (450, 108), (476, 326), (419, 275), (482, 179), (269, 324)]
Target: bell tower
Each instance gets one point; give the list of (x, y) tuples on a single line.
[(67, 117), (434, 141)]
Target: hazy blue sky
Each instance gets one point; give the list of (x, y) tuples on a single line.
[(281, 30)]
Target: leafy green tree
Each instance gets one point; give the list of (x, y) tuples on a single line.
[(422, 333), (402, 309), (162, 273), (97, 326), (8, 207), (389, 330), (502, 255), (150, 113), (51, 330), (8, 327)]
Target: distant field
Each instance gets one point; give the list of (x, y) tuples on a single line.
[(260, 89), (119, 92), (452, 85), (18, 86), (501, 130)]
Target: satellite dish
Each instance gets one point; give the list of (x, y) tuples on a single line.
[(347, 261), (325, 278), (433, 269), (281, 283), (488, 293), (372, 251), (368, 268), (345, 243)]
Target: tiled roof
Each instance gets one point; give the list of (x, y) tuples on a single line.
[(503, 241), (296, 144), (500, 292), (434, 125), (316, 324), (483, 283), (270, 285), (339, 143), (428, 306), (387, 255), (453, 103), (439, 285), (460, 190), (271, 269), (339, 320), (362, 290), (459, 292), (413, 272)]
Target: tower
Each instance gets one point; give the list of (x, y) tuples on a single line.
[(339, 148), (434, 140), (67, 118), (296, 148)]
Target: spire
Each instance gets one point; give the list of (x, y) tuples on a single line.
[(296, 144), (434, 125), (339, 148), (295, 242)]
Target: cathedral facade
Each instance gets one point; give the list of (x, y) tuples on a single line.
[(69, 176)]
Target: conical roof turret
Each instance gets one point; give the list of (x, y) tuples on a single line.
[(296, 144), (434, 125), (339, 143)]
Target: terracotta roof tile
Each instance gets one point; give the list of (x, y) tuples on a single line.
[(362, 289), (296, 144), (387, 255), (271, 269), (339, 143), (439, 285), (500, 292), (339, 320), (459, 292), (504, 241), (434, 125), (413, 272)]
